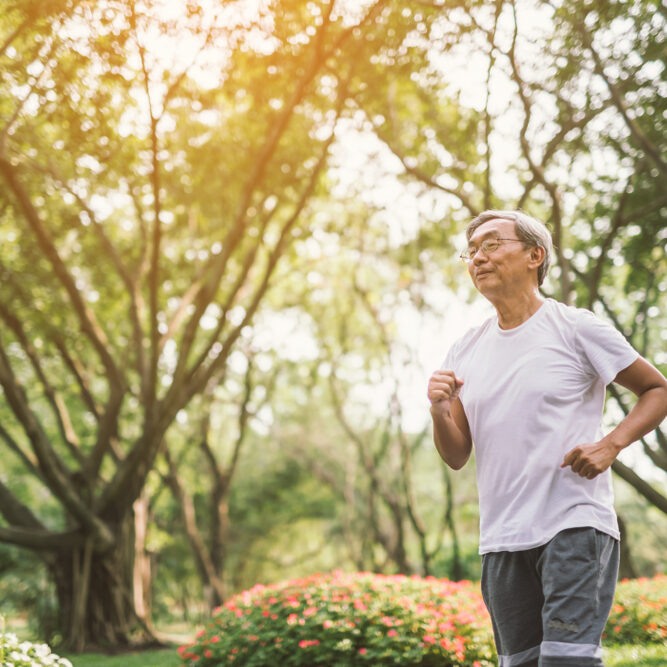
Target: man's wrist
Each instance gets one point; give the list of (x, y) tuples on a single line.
[(614, 444), (439, 409)]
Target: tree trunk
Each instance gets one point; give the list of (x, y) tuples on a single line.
[(142, 571), (95, 593), (626, 568)]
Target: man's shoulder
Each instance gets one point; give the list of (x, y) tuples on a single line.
[(569, 315), (471, 337)]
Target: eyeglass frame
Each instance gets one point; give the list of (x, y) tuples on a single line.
[(464, 254)]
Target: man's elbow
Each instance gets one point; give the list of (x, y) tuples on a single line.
[(457, 464)]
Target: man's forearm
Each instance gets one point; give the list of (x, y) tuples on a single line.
[(451, 443), (647, 414)]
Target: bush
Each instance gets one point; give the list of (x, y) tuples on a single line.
[(24, 654), (639, 613), (341, 620)]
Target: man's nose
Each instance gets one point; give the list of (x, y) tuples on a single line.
[(478, 258)]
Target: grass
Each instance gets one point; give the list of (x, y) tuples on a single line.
[(635, 656), (614, 656), (161, 658)]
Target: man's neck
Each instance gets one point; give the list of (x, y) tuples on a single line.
[(515, 309)]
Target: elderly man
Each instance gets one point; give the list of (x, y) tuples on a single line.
[(527, 387)]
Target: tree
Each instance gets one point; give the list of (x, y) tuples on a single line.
[(153, 202), (563, 116)]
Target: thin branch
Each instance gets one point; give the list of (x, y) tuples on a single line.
[(487, 113), (189, 517), (87, 319), (29, 461), (67, 432), (420, 175), (199, 376), (4, 132), (318, 58), (538, 170), (53, 468), (132, 285), (616, 95), (16, 513)]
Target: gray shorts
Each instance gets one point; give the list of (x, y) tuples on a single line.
[(549, 605)]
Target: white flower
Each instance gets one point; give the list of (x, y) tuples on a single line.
[(26, 654)]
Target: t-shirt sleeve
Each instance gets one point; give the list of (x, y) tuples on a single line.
[(448, 363), (604, 350)]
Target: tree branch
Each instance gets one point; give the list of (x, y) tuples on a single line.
[(67, 432), (636, 131), (41, 540), (641, 486), (87, 320), (51, 465)]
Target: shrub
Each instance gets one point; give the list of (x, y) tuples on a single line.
[(341, 620), (24, 654), (639, 613)]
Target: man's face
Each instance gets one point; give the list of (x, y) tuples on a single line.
[(505, 268)]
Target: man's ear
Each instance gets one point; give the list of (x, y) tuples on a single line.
[(537, 255)]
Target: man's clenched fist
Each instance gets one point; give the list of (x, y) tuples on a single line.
[(443, 389)]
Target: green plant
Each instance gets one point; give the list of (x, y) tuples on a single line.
[(639, 613), (14, 653), (348, 619), (150, 658)]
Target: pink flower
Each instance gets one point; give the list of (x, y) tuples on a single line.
[(363, 651), (392, 633)]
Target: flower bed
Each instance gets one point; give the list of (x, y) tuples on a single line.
[(14, 653), (639, 613), (348, 619)]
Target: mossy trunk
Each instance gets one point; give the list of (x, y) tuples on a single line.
[(96, 594)]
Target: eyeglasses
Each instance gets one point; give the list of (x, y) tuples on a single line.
[(487, 246)]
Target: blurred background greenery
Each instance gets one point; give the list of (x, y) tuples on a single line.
[(229, 262)]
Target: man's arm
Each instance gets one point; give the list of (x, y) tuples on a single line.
[(451, 433), (646, 382)]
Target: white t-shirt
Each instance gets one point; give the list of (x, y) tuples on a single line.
[(531, 394)]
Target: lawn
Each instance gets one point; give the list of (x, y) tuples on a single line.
[(614, 656), (635, 656), (161, 658)]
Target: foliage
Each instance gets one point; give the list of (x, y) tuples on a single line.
[(14, 653), (25, 591), (639, 614), (348, 619)]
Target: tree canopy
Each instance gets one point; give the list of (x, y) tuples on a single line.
[(184, 183)]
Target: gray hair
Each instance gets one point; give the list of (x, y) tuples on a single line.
[(528, 229)]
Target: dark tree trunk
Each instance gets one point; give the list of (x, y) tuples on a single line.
[(95, 593), (626, 569)]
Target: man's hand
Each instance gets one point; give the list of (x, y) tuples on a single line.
[(443, 389), (591, 459)]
